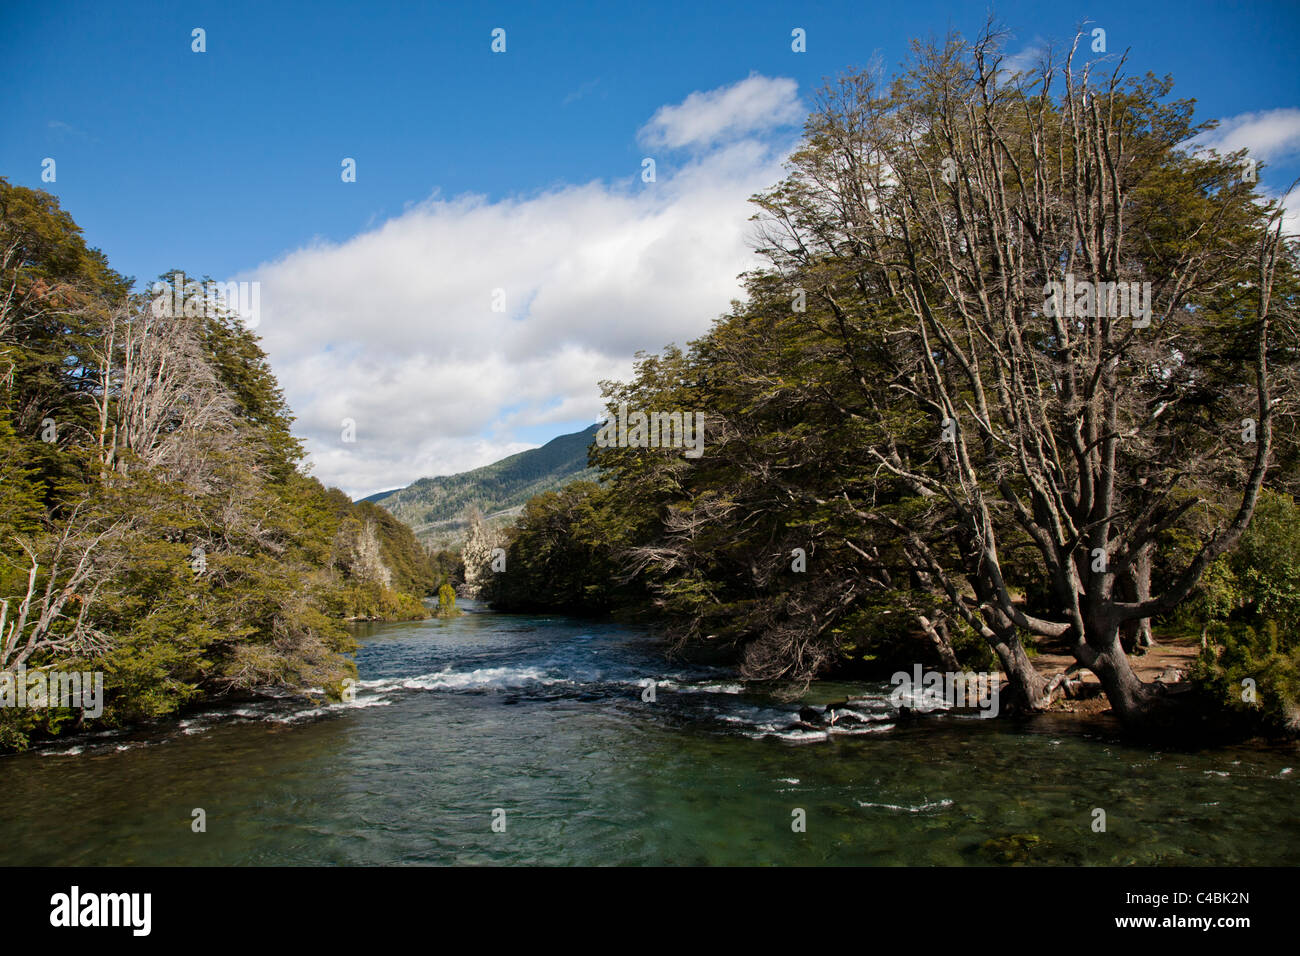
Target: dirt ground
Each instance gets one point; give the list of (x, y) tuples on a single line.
[(1169, 660)]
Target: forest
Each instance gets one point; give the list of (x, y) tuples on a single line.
[(156, 521), (1019, 372), (918, 450)]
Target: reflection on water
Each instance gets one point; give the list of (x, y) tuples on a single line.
[(544, 718)]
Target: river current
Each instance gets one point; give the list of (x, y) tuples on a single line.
[(506, 739)]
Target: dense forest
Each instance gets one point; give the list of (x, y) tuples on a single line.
[(916, 451), (156, 523)]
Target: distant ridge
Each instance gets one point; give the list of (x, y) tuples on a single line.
[(435, 507), (379, 494)]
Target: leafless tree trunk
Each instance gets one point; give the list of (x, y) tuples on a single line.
[(166, 396), (1135, 586), (52, 615), (949, 207)]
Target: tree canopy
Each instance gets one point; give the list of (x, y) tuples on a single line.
[(1020, 367), (156, 523)]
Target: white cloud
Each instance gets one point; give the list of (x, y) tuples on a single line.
[(1269, 135), (1273, 137), (755, 104), (1291, 216), (1027, 60), (394, 327)]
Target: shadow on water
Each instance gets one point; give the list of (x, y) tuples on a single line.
[(545, 719)]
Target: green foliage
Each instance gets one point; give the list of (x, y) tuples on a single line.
[(563, 554), (448, 568), (447, 601), (1267, 564), (368, 601), (1253, 673), (1257, 582), (710, 544), (413, 569), (219, 570), (1248, 611)]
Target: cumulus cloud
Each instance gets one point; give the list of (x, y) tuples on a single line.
[(1027, 60), (1269, 134), (1291, 216), (755, 104), (395, 327)]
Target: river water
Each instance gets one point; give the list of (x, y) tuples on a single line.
[(539, 725)]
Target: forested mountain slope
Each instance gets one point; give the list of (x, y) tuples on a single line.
[(435, 507)]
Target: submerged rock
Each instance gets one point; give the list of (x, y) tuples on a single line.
[(1012, 848)]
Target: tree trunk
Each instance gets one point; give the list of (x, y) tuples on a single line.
[(938, 633), (1140, 707), (1026, 689), (1135, 586)]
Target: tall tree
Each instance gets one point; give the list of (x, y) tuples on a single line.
[(930, 221)]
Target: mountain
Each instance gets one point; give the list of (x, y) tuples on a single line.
[(435, 507)]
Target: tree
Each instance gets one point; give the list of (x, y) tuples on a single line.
[(751, 547), (928, 222), (481, 541), (447, 601), (564, 554), (154, 520)]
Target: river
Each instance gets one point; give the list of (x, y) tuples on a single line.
[(538, 724)]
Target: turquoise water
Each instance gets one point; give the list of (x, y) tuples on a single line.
[(543, 718)]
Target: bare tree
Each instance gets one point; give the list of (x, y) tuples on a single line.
[(159, 407), (66, 572), (165, 405), (480, 541), (935, 216)]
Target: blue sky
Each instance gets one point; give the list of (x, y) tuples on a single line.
[(228, 163)]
